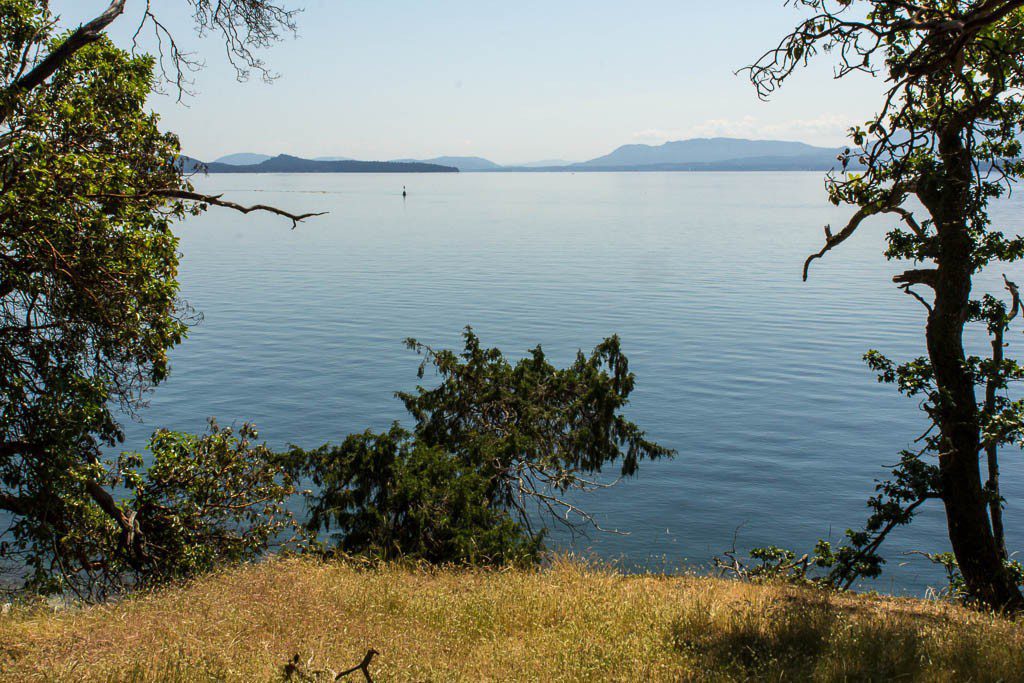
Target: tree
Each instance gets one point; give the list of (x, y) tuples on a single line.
[(207, 500), (89, 307), (388, 496), (202, 502), (944, 144), (494, 443)]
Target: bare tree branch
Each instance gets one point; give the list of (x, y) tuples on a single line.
[(216, 200), (908, 218), (832, 241), (907, 289)]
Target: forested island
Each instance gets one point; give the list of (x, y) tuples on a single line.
[(285, 163)]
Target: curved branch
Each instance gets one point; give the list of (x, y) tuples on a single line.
[(132, 540), (832, 241), (908, 218), (845, 580), (1014, 291), (216, 200), (991, 387), (15, 504), (213, 200), (907, 290)]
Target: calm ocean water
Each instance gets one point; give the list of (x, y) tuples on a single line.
[(754, 377)]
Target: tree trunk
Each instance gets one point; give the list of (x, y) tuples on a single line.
[(995, 503), (970, 531)]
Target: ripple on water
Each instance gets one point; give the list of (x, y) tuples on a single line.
[(753, 376)]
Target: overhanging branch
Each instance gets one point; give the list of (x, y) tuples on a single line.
[(217, 200), (907, 289), (85, 34), (909, 219), (213, 200), (14, 504), (832, 241)]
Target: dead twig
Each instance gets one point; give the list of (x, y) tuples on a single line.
[(363, 666), (295, 670)]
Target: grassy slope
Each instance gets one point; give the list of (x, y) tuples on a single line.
[(567, 623)]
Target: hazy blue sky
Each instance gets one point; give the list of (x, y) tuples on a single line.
[(511, 81)]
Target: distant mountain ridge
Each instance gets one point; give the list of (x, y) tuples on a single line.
[(242, 159), (814, 162), (697, 154), (461, 163), (707, 151), (285, 163), (546, 163)]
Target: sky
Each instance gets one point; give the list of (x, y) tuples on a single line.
[(512, 82)]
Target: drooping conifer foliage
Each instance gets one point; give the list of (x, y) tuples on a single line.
[(498, 451)]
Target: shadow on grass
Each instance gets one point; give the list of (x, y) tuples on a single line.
[(809, 637)]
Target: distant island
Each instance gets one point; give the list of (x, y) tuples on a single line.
[(285, 163), (699, 154)]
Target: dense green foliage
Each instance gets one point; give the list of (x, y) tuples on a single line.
[(89, 310), (389, 496), (494, 442), (89, 306), (195, 503), (207, 500), (944, 145)]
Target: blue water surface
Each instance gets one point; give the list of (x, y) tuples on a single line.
[(753, 376)]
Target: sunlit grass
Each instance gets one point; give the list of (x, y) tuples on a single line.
[(569, 622)]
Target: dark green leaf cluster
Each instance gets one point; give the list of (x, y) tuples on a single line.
[(205, 501), (493, 442), (389, 496), (89, 307), (563, 420)]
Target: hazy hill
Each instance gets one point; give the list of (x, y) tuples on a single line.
[(465, 163), (707, 151), (461, 163), (546, 163), (810, 162), (242, 159)]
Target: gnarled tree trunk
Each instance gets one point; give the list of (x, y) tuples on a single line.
[(970, 531)]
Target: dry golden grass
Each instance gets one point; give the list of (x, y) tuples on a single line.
[(566, 623)]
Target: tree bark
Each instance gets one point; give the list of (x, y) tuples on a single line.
[(970, 530), (995, 503)]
